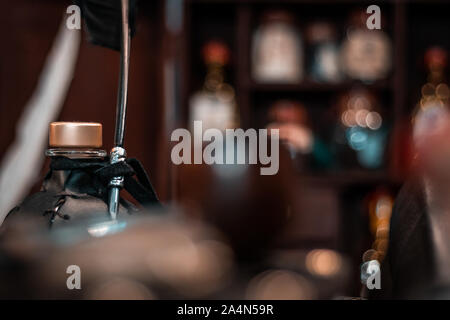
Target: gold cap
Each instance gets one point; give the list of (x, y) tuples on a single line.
[(75, 134)]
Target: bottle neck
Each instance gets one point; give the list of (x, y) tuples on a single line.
[(76, 153)]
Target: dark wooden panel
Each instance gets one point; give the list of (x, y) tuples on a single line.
[(27, 34)]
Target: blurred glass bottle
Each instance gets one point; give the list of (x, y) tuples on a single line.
[(75, 184), (215, 103), (324, 52), (366, 55), (277, 49)]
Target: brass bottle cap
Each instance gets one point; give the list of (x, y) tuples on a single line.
[(75, 135)]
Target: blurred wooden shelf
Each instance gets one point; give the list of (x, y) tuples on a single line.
[(348, 178), (312, 86), (235, 21)]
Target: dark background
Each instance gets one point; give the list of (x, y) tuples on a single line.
[(166, 68)]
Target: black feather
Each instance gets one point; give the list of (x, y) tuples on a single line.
[(103, 21)]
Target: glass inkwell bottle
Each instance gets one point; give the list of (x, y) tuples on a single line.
[(75, 140), (77, 184)]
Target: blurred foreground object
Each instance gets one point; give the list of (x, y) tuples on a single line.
[(128, 258), (408, 269), (431, 132), (300, 275), (420, 225), (24, 158), (155, 256), (277, 49)]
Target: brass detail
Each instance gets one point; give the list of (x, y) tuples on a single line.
[(75, 135)]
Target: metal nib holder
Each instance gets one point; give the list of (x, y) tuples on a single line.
[(118, 153)]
